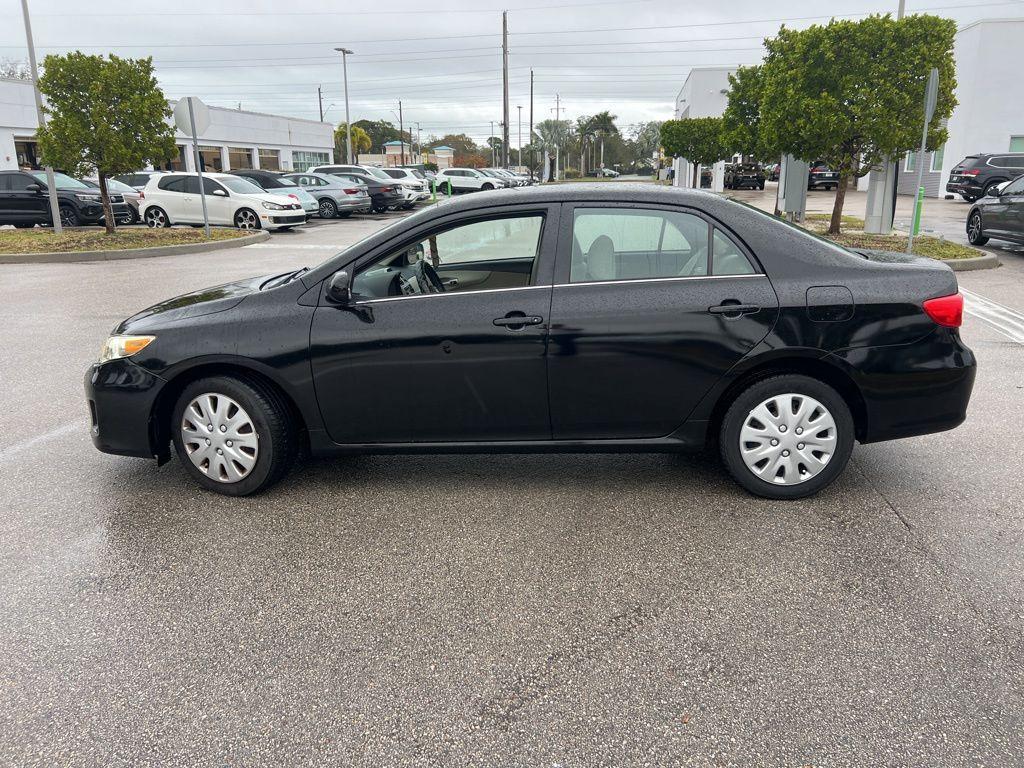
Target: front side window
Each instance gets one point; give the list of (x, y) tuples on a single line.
[(1015, 187), (482, 255), (637, 244)]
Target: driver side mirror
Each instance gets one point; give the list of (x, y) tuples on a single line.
[(340, 287), (220, 193), (35, 188)]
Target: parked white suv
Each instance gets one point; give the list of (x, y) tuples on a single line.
[(173, 198), (414, 187), (464, 180)]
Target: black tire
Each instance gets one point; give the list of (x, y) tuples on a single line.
[(990, 185), (272, 420), (156, 217), (328, 208), (247, 218), (761, 186), (759, 392), (23, 225), (487, 186), (976, 229), (68, 216)]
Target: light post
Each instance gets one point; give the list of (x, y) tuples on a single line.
[(520, 157), (345, 53)]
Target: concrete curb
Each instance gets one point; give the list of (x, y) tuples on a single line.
[(131, 253), (984, 261)]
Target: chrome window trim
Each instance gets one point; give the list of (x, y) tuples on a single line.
[(451, 293), (658, 280), (556, 285)]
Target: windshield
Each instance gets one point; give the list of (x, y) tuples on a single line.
[(379, 174), (61, 180), (113, 185), (418, 174), (240, 185)]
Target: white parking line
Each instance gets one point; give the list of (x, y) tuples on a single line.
[(17, 448), (1008, 322)]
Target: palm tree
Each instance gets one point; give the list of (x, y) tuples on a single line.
[(603, 124), (553, 136)]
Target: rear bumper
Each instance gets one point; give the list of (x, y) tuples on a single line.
[(120, 396), (913, 389), (964, 188)]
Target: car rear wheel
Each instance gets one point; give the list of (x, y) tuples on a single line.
[(487, 187), (975, 230), (234, 436), (156, 218), (786, 437), (246, 218), (23, 225), (990, 186), (328, 209)]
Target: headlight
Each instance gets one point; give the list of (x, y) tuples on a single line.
[(85, 197), (116, 347), (274, 207)]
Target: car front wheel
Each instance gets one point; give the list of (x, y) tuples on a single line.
[(975, 230), (156, 218), (786, 437), (233, 435), (247, 219)]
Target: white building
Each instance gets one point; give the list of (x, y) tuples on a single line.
[(704, 94), (989, 116), (234, 140)]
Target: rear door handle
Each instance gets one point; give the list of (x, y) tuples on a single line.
[(516, 321), (733, 308)]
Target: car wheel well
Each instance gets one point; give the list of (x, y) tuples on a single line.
[(813, 368), (159, 421)]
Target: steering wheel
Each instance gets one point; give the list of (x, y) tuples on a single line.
[(427, 277)]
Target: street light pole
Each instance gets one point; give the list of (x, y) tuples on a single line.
[(50, 183), (345, 53), (519, 160)]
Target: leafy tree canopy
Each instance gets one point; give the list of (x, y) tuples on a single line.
[(360, 141), (699, 140), (742, 118), (460, 142), (855, 89), (106, 114), (379, 131)]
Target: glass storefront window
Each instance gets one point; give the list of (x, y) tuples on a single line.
[(270, 160), (27, 152), (177, 163), (211, 158), (239, 158), (303, 160)]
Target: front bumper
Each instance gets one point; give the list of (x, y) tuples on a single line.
[(121, 396), (92, 213), (275, 219)]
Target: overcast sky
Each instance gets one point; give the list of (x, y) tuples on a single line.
[(443, 61)]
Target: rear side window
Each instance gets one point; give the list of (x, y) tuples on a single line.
[(175, 184), (726, 256), (637, 244), (17, 182), (1007, 161)]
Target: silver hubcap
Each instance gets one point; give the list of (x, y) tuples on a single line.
[(326, 208), (219, 437), (246, 220), (155, 218), (788, 439)]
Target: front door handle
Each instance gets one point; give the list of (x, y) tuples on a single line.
[(515, 321), (733, 309)]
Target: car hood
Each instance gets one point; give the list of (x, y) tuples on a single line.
[(202, 302)]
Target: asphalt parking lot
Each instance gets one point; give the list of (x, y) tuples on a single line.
[(498, 610)]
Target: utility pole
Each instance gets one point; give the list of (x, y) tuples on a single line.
[(419, 144), (519, 160), (51, 185), (401, 132), (504, 80), (345, 53), (531, 121), (319, 97), (558, 119), (494, 156)]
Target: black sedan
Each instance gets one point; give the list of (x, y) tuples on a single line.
[(625, 317), (998, 215)]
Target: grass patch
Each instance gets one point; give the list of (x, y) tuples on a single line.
[(40, 240), (855, 237)]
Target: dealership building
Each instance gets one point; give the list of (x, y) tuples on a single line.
[(235, 139), (988, 118)]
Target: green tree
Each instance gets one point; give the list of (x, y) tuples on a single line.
[(855, 89), (360, 141), (644, 143), (602, 125), (699, 140), (379, 131), (460, 142), (106, 114), (742, 118)]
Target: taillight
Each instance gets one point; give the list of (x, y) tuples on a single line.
[(385, 189), (973, 172), (142, 195), (947, 311), (350, 191)]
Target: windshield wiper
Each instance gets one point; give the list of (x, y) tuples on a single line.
[(295, 275)]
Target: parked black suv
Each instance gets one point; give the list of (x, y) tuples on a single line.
[(820, 175), (81, 204), (23, 200), (740, 175), (975, 175)]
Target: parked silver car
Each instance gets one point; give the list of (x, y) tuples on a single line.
[(131, 195), (335, 197)]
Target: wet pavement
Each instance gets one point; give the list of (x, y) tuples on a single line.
[(500, 610)]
